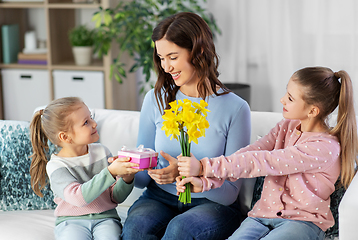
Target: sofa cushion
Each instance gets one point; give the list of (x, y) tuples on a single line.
[(332, 232), (15, 150)]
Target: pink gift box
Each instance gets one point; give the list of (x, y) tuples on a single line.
[(145, 157)]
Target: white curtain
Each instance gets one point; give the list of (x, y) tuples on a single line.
[(264, 41)]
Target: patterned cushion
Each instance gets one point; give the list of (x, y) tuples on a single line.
[(336, 197), (15, 150)]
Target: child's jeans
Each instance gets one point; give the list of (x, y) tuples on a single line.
[(276, 229), (108, 228)]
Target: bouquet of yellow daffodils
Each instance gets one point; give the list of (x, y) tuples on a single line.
[(186, 122)]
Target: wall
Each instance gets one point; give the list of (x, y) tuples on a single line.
[(264, 42)]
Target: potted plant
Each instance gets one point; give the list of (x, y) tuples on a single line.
[(82, 40), (130, 24)]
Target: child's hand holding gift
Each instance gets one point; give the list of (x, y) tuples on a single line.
[(123, 168)]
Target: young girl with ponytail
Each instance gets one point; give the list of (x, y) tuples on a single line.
[(301, 157), (86, 188)]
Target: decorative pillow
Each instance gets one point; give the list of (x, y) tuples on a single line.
[(336, 197), (15, 150)]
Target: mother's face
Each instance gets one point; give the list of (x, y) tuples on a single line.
[(175, 60)]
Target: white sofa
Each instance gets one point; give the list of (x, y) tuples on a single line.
[(116, 128)]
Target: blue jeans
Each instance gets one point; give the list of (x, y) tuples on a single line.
[(276, 229), (82, 229), (159, 215)]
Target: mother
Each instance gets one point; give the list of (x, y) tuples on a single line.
[(186, 63)]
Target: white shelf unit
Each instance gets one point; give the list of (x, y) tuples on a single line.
[(61, 16)]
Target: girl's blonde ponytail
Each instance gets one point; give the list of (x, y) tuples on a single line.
[(39, 159), (346, 129)]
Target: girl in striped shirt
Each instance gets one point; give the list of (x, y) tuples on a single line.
[(86, 188)]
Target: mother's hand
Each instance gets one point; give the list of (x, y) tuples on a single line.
[(168, 174)]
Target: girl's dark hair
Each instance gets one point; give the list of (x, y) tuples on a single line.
[(189, 31), (327, 90), (45, 125)]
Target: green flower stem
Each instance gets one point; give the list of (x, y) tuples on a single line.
[(187, 145), (185, 197)]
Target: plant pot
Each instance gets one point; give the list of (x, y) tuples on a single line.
[(82, 55)]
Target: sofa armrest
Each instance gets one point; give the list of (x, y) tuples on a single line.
[(348, 212)]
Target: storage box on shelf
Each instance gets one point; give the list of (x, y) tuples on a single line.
[(22, 92), (84, 84)]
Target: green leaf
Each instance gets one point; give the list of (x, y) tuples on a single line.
[(134, 67), (118, 78), (122, 71), (107, 19), (97, 19)]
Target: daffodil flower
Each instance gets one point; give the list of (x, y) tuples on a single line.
[(194, 134), (171, 128), (174, 106), (201, 107), (202, 125)]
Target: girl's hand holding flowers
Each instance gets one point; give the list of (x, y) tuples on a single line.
[(189, 166), (196, 184)]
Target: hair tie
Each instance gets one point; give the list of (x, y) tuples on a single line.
[(336, 74), (41, 112)]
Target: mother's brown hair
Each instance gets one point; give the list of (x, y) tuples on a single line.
[(189, 31)]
